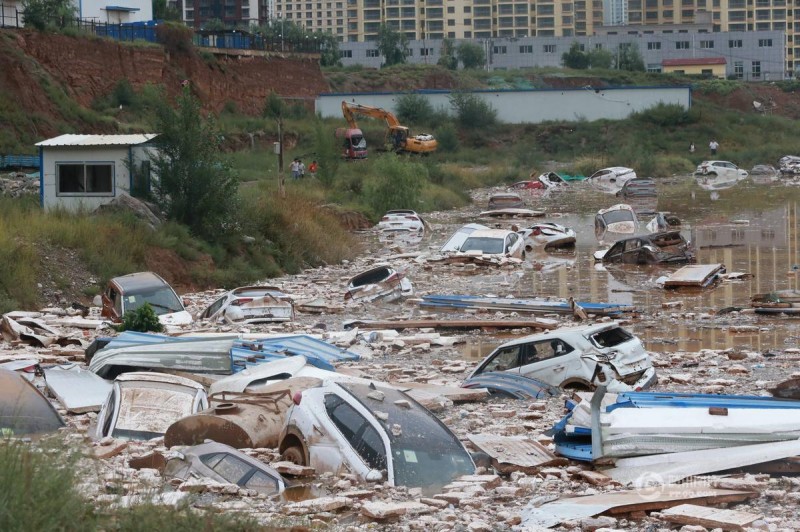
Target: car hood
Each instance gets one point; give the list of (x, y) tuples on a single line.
[(176, 318)]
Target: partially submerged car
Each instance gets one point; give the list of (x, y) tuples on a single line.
[(24, 411), (380, 283), (619, 218), (132, 291), (547, 235), (494, 243), (657, 248), (505, 201), (375, 433), (638, 188), (224, 464), (720, 169), (611, 180), (142, 405), (251, 304), (579, 358), (401, 220), (552, 180), (457, 239)]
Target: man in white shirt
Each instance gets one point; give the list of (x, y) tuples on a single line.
[(713, 145)]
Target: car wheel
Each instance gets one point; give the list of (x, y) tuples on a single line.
[(295, 455)]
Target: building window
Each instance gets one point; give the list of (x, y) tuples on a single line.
[(735, 43), (85, 179), (451, 22), (654, 67), (373, 53), (756, 71), (681, 45), (765, 43), (655, 45), (549, 48), (707, 44), (738, 69), (526, 49), (346, 53), (500, 49), (451, 9)]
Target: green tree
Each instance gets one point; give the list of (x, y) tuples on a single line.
[(447, 137), (600, 58), (471, 55), (414, 109), (447, 55), (48, 14), (629, 58), (195, 186), (575, 57), (327, 155), (214, 24), (472, 111), (392, 45), (162, 11), (397, 184), (328, 49)]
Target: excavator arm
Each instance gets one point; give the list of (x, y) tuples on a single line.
[(350, 110)]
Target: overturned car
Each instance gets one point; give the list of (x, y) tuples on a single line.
[(578, 358), (664, 247)]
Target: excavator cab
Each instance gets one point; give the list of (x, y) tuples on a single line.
[(398, 137)]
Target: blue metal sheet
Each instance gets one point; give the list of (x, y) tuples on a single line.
[(516, 386), (689, 400), (467, 301)]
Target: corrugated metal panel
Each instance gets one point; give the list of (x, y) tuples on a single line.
[(518, 451), (98, 140)]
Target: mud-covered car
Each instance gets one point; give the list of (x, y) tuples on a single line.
[(619, 218), (374, 432), (401, 220), (665, 247), (251, 304), (507, 200), (494, 243), (579, 358), (129, 292), (223, 463)]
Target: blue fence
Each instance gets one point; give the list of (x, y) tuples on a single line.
[(19, 161)]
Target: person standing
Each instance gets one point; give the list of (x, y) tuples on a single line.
[(713, 146), (691, 147), (295, 166), (301, 167), (312, 168)]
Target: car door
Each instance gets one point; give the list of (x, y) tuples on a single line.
[(552, 361), (506, 359), (360, 444)]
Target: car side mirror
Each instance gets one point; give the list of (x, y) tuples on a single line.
[(374, 475), (97, 301)]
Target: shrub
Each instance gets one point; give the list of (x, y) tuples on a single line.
[(397, 185), (471, 55), (472, 111), (123, 94), (142, 319), (414, 109), (447, 138), (664, 115), (175, 37)]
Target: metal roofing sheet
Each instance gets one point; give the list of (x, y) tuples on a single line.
[(98, 140)]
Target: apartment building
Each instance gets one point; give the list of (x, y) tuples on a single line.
[(231, 12)]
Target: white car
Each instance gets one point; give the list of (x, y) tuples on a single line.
[(619, 218), (401, 220), (721, 169), (611, 180), (547, 235), (380, 283), (457, 239), (494, 243), (142, 405), (251, 304), (375, 433), (579, 358)]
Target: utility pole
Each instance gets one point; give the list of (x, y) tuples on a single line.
[(281, 177)]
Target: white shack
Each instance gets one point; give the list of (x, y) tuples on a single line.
[(85, 171)]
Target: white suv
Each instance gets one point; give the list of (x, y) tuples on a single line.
[(721, 169)]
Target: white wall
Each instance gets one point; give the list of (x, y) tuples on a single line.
[(535, 106), (96, 9), (118, 155)]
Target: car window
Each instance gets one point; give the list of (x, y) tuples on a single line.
[(112, 397), (261, 480), (611, 337), (356, 430), (212, 459), (633, 244), (231, 468), (163, 301), (552, 348), (214, 308), (483, 244), (506, 358)]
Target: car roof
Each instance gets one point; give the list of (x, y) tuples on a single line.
[(401, 211), (489, 233), (163, 378), (556, 333), (139, 281)]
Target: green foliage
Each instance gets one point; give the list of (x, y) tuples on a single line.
[(629, 58), (195, 187), (664, 115), (447, 138), (274, 107), (176, 37), (723, 87), (123, 94), (413, 109), (472, 111), (162, 11), (48, 14), (142, 319), (471, 55), (397, 184), (329, 50), (214, 24), (575, 57), (447, 55), (600, 58), (392, 45), (326, 149), (146, 517)]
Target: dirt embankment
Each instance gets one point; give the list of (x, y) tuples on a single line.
[(90, 68)]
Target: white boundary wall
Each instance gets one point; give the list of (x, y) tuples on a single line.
[(533, 106)]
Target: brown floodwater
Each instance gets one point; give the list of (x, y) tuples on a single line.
[(752, 228)]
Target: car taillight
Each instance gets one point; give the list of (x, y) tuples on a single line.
[(537, 231), (412, 218), (241, 301), (296, 398)]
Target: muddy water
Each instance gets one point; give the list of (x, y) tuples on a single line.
[(751, 228)]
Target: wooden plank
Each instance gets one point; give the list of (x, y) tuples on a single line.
[(693, 275), (515, 453), (455, 324), (691, 514)]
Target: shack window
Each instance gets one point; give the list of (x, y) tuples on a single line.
[(95, 179)]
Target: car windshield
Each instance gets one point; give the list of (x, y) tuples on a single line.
[(505, 200), (146, 411), (163, 300), (483, 244), (611, 337), (358, 142), (618, 216), (424, 452)]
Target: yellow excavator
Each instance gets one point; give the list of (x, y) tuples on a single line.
[(398, 137)]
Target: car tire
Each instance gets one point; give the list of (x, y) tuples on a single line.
[(295, 455)]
